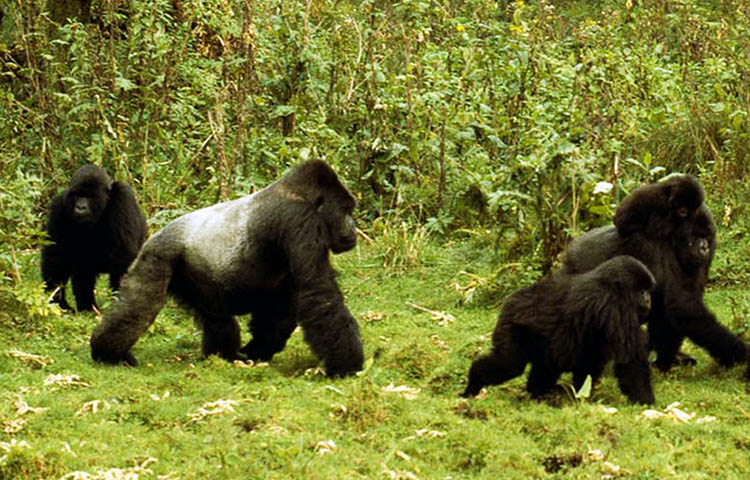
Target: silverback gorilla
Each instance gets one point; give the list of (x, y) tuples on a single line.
[(573, 323), (678, 251), (266, 254), (94, 226)]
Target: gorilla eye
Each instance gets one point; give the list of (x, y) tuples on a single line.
[(682, 212)]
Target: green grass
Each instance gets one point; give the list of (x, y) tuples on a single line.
[(284, 412)]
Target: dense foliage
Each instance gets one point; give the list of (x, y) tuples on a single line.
[(445, 114)]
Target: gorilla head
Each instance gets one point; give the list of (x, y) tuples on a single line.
[(88, 194), (659, 207), (266, 254)]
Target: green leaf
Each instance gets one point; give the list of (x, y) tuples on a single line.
[(584, 392)]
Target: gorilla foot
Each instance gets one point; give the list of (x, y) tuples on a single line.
[(256, 352), (107, 357), (471, 391)]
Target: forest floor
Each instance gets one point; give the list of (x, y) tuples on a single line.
[(178, 416)]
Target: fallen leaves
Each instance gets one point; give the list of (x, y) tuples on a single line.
[(92, 407), (442, 318), (9, 447), (131, 473), (29, 359), (22, 408), (372, 317), (325, 446), (62, 380), (218, 408), (408, 393), (677, 414)]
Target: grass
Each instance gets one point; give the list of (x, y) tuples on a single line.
[(178, 416)]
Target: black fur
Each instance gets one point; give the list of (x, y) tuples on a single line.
[(266, 254), (574, 323), (95, 226), (659, 207), (679, 256)]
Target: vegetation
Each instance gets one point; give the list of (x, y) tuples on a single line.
[(478, 137)]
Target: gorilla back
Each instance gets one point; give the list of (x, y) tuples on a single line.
[(266, 254)]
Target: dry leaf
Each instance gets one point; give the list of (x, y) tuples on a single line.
[(325, 446), (442, 317), (30, 359), (61, 380), (155, 397), (14, 426), (426, 433), (678, 415), (132, 473), (13, 445), (249, 364), (22, 408), (371, 317), (402, 455), (92, 407), (408, 393), (398, 474), (219, 407)]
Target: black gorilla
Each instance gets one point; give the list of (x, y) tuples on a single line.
[(659, 207), (574, 323), (679, 256), (266, 254), (95, 226)]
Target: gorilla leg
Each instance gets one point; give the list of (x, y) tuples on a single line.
[(541, 380), (83, 289), (665, 340), (506, 361), (56, 270), (271, 327), (494, 369), (705, 331), (592, 362), (115, 277), (634, 378), (221, 336), (143, 293), (329, 328)]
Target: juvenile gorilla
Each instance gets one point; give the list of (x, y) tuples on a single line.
[(679, 256), (659, 207), (95, 226), (266, 254), (574, 323)]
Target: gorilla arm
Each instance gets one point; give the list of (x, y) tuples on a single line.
[(328, 326)]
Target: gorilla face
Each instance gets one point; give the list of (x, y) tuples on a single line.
[(335, 205), (644, 305), (88, 195), (340, 224), (695, 242)]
